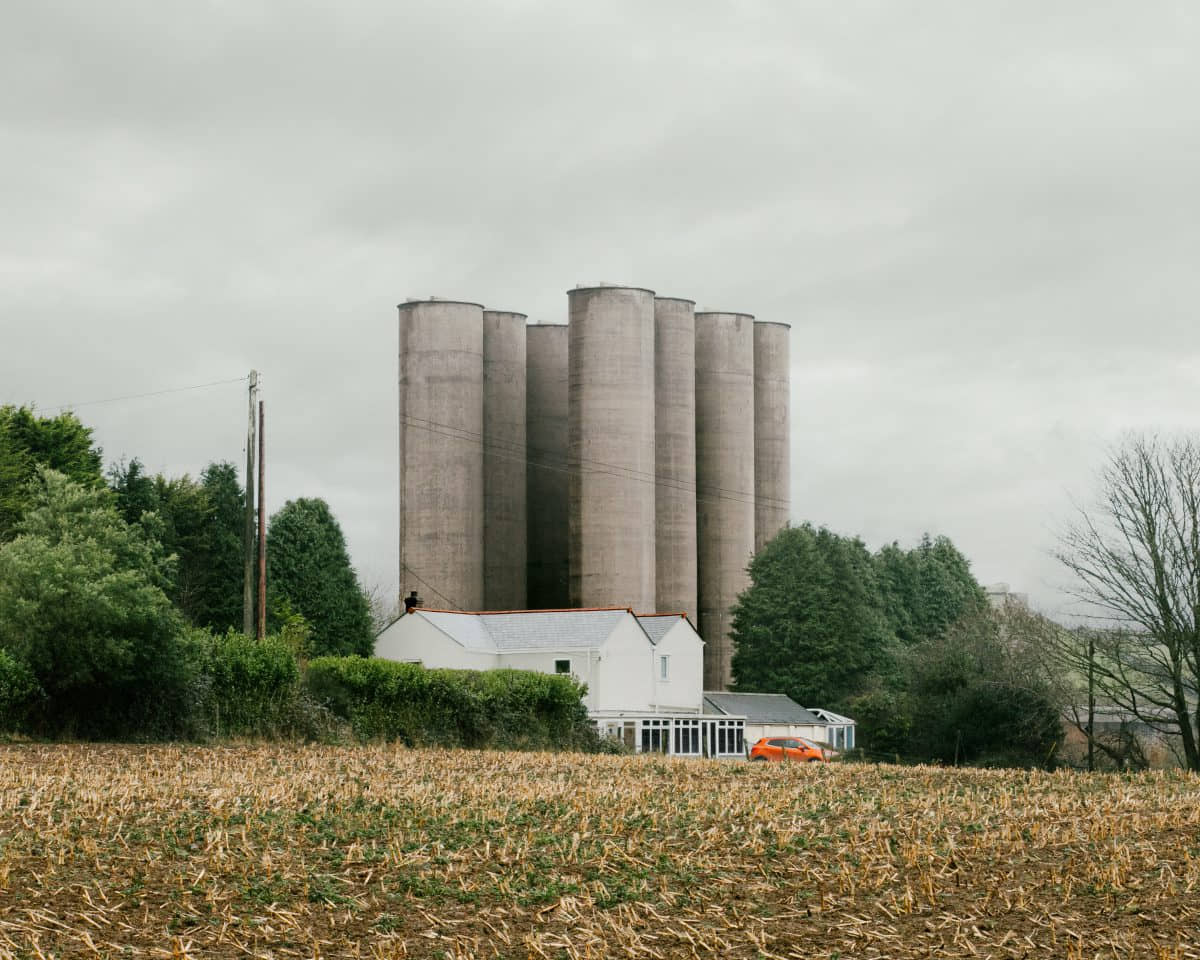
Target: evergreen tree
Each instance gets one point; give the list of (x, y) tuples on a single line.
[(926, 589), (198, 523), (219, 599), (28, 442), (309, 573), (812, 623)]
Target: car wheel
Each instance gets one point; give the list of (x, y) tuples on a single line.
[(814, 759), (758, 759)]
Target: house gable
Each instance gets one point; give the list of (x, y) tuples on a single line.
[(416, 638)]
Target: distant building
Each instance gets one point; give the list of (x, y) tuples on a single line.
[(1000, 597)]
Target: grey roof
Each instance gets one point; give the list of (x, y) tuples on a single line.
[(533, 630), (656, 626), (759, 707)]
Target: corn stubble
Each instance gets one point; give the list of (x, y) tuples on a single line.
[(270, 851)]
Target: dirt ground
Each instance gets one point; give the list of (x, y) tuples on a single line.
[(287, 851)]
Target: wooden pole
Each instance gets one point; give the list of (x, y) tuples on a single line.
[(262, 531), (248, 530), (1091, 703)]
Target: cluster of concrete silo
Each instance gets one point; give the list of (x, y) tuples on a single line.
[(636, 456)]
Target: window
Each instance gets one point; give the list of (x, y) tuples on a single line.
[(664, 668), (656, 736), (723, 738), (687, 737), (562, 666)]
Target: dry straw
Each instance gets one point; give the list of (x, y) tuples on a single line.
[(386, 853)]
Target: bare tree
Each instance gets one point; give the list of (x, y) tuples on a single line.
[(385, 607), (1136, 558)]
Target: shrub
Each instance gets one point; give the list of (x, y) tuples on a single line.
[(499, 709), (248, 686), (18, 690)]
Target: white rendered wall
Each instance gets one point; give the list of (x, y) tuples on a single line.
[(684, 691), (414, 639), (624, 671)]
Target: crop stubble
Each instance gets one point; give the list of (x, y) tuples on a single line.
[(281, 851)]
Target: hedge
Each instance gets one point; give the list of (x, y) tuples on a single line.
[(251, 685), (497, 709)]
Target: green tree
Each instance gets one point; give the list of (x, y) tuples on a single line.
[(201, 525), (83, 606), (812, 623), (977, 695), (926, 589), (28, 442), (309, 570), (219, 597)]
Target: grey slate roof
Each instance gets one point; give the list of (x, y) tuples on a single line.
[(657, 626), (534, 630), (759, 707)]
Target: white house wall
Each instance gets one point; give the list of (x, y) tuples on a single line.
[(624, 681), (684, 691), (415, 640)]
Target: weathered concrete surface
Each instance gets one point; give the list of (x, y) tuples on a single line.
[(504, 521), (724, 479), (675, 455), (611, 447), (772, 436), (546, 474), (441, 452)]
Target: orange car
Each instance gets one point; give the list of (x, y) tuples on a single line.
[(787, 748)]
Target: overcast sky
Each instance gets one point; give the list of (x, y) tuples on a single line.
[(981, 219)]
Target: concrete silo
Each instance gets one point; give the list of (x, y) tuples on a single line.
[(772, 436), (504, 522), (546, 472), (611, 446), (724, 478), (675, 454), (441, 452)]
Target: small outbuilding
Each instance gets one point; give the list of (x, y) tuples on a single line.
[(778, 715)]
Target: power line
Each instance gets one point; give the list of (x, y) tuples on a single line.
[(429, 586), (543, 460), (152, 393), (517, 452)]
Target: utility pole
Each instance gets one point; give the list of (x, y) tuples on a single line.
[(262, 531), (1091, 702), (248, 530)]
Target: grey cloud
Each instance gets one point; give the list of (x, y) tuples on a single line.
[(979, 218)]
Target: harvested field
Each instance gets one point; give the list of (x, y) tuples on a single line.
[(280, 851)]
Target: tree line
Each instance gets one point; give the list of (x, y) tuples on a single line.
[(117, 588), (905, 642)]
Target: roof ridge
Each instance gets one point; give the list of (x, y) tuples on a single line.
[(492, 613), (680, 613)]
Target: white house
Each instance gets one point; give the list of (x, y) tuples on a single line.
[(644, 673)]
